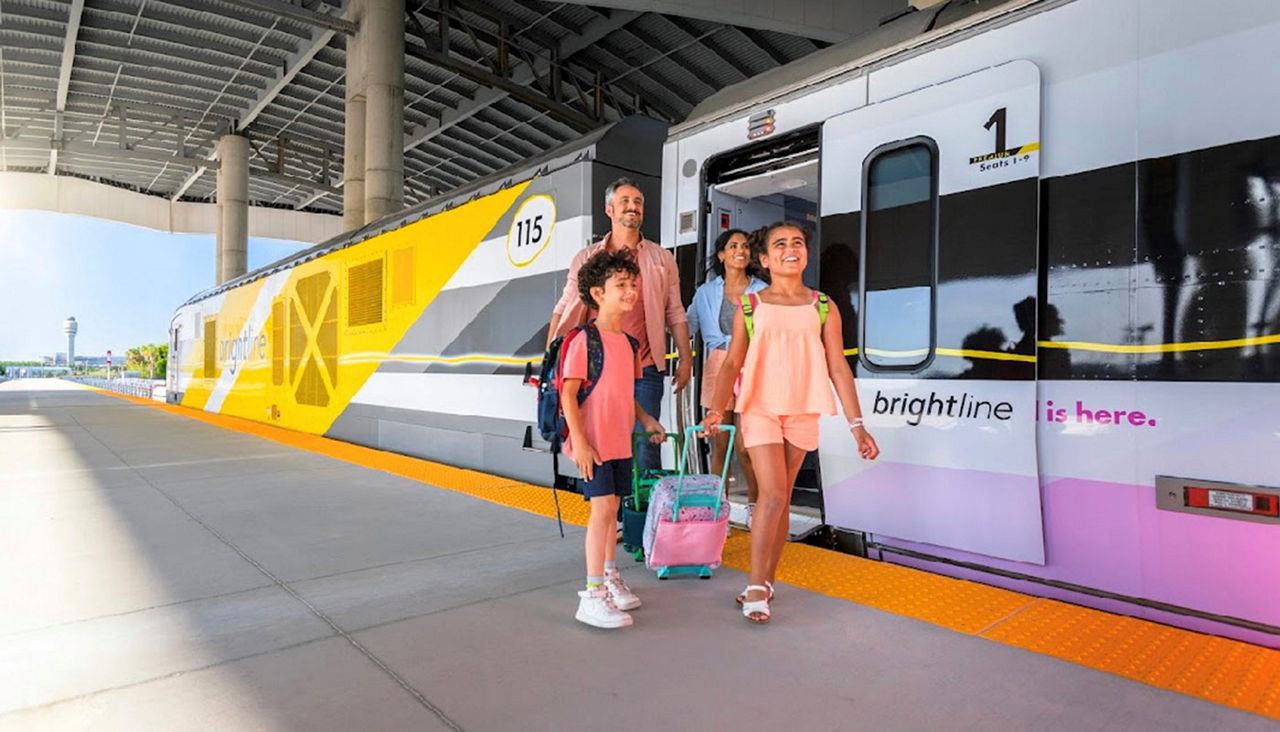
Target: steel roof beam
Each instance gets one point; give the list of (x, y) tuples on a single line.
[(104, 151), (310, 200), (69, 52), (841, 21), (484, 77), (696, 74), (290, 70), (294, 12), (523, 76), (295, 64), (722, 54), (664, 106), (754, 37)]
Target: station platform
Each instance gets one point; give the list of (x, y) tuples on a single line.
[(168, 569)]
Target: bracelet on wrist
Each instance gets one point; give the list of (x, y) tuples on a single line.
[(857, 422)]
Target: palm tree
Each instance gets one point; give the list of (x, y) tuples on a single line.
[(133, 359), (150, 354)]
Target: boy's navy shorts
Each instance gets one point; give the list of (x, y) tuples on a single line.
[(613, 478)]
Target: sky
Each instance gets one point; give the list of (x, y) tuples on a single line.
[(121, 282)]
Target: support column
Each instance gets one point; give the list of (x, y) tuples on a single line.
[(382, 31), (353, 158), (233, 207)]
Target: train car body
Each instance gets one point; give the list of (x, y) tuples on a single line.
[(1052, 229), (413, 333)]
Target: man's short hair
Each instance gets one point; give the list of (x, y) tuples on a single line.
[(614, 186), (598, 269)]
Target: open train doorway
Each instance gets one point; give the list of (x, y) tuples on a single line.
[(748, 188)]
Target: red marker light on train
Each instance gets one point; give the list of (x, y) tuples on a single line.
[(1258, 504)]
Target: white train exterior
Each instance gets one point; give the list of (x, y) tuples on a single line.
[(1053, 231)]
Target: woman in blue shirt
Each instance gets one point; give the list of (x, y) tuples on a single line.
[(711, 315)]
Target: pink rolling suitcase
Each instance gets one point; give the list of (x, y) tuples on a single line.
[(688, 519)]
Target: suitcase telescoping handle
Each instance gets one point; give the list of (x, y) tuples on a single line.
[(636, 439), (689, 433)]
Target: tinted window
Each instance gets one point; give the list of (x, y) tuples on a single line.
[(899, 248)]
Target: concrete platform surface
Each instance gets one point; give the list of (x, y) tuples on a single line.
[(163, 573)]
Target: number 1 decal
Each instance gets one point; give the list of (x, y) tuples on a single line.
[(998, 119)]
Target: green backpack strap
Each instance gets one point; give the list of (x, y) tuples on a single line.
[(748, 309), (822, 307)]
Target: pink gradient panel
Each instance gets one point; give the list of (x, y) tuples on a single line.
[(995, 514), (1220, 565), (1111, 536)]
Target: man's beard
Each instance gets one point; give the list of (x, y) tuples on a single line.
[(631, 223)]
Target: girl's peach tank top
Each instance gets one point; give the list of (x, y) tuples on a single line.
[(785, 371)]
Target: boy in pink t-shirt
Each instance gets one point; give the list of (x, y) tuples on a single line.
[(600, 431)]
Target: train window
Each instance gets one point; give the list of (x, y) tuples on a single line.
[(364, 294), (210, 347), (899, 252)]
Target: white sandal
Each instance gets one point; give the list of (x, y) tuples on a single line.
[(742, 596), (757, 607)]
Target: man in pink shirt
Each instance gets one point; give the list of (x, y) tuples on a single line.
[(661, 309)]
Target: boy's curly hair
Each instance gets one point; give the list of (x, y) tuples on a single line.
[(598, 269)]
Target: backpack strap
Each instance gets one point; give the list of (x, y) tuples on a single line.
[(595, 359), (821, 300), (749, 303)]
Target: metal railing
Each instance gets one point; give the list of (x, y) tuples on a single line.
[(145, 388)]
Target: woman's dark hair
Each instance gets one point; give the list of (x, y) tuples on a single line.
[(755, 243), (599, 268), (722, 241)]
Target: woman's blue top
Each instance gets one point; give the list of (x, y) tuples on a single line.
[(704, 312)]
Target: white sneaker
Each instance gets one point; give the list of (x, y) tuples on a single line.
[(621, 595), (596, 608)]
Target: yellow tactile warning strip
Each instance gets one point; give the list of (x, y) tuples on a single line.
[(1220, 670)]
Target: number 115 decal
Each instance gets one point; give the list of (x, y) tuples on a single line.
[(530, 230)]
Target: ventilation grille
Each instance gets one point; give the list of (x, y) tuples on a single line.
[(402, 277), (364, 294), (210, 347), (686, 221), (277, 342), (313, 340)]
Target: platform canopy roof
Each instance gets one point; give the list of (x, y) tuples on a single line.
[(136, 93)]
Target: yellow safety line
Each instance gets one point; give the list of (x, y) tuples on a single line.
[(1223, 671), (1163, 347), (960, 352)]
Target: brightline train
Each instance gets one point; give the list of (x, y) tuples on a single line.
[(1053, 231)]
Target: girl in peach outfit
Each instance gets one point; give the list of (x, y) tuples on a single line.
[(789, 365)]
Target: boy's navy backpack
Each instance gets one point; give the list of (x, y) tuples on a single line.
[(551, 422)]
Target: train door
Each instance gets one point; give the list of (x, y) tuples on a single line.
[(929, 248), (754, 186)]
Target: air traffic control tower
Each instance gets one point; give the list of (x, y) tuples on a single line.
[(69, 326)]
